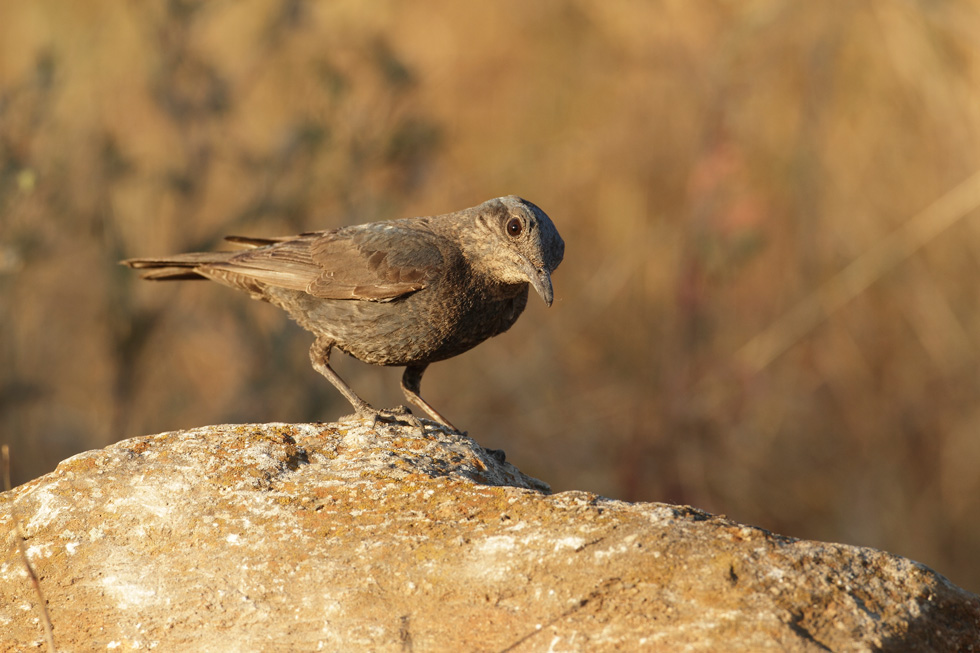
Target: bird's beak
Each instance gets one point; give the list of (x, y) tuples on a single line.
[(541, 280)]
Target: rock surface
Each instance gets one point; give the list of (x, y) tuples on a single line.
[(278, 537)]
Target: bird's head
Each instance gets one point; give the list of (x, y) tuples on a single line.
[(520, 243)]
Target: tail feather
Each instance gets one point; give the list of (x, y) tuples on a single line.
[(172, 274), (252, 243), (177, 267)]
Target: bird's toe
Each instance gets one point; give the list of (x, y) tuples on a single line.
[(369, 416), (400, 415)]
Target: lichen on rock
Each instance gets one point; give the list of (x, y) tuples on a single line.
[(347, 537)]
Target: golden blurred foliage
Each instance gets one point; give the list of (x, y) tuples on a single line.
[(769, 305)]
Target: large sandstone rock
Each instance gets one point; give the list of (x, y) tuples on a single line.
[(335, 537)]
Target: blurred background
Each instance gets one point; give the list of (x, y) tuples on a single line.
[(769, 306)]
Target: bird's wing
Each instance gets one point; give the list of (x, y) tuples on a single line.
[(378, 261)]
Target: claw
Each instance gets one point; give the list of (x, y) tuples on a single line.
[(397, 415)]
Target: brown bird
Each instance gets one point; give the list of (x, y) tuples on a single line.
[(403, 292)]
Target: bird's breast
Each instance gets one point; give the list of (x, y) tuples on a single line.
[(432, 324)]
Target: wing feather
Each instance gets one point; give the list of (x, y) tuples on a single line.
[(380, 261)]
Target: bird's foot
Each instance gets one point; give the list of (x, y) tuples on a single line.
[(401, 415), (397, 415)]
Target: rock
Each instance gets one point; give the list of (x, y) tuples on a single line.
[(333, 537)]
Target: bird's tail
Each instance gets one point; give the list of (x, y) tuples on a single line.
[(177, 267), (183, 266)]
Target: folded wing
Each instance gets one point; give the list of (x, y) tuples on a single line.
[(376, 262)]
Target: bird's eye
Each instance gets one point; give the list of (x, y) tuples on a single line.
[(514, 227)]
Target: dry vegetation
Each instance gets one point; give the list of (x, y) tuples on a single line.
[(758, 314)]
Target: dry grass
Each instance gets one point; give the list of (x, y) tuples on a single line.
[(758, 312)]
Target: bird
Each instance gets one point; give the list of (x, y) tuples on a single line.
[(406, 292)]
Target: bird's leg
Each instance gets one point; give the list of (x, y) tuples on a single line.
[(320, 357), (411, 386)]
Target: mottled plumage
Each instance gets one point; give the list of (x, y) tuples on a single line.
[(403, 292)]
